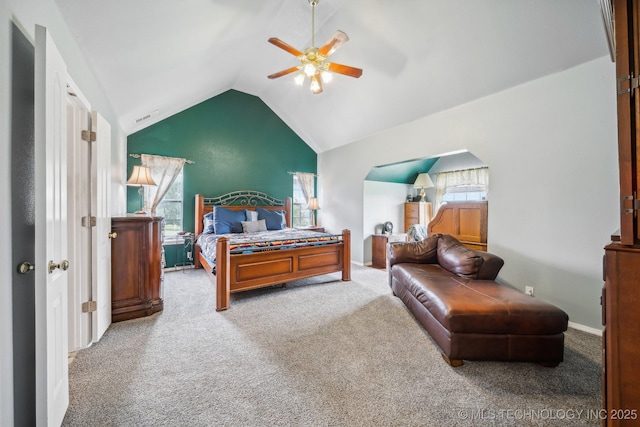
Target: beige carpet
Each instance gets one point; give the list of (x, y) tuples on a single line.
[(320, 352)]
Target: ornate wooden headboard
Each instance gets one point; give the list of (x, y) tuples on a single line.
[(466, 221), (239, 200)]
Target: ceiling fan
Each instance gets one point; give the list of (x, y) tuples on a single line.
[(313, 62)]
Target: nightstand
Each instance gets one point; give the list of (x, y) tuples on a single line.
[(379, 248), (184, 250)]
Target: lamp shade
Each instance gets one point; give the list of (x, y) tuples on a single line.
[(313, 204), (423, 181), (141, 175)]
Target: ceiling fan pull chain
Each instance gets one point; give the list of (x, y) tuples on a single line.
[(313, 22)]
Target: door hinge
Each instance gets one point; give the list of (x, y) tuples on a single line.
[(635, 204), (89, 222), (88, 136), (89, 307), (634, 83)]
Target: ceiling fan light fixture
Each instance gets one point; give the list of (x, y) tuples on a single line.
[(315, 86), (313, 59), (299, 79), (309, 69)]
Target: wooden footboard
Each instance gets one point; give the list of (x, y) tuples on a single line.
[(242, 272)]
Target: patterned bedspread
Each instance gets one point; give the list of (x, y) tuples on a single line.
[(243, 243)]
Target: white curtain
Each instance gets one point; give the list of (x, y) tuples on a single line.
[(307, 181), (164, 171), (467, 180)]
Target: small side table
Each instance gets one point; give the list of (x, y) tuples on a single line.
[(184, 248), (379, 248)]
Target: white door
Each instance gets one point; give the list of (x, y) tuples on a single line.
[(101, 243), (52, 379), (78, 202)]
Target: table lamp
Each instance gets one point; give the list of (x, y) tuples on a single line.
[(423, 181), (313, 206), (141, 175)]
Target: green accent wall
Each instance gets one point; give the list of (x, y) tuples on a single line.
[(236, 142)]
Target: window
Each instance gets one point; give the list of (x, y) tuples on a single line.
[(301, 216), (464, 192), (462, 185), (170, 208)]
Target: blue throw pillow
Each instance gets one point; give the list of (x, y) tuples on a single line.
[(275, 219), (228, 220), (208, 227)]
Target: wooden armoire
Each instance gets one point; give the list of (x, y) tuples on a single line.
[(621, 292)]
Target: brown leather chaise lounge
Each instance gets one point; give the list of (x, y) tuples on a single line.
[(452, 292)]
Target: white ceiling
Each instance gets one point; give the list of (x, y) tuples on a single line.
[(418, 56)]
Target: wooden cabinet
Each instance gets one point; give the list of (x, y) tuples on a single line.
[(621, 294), (136, 266), (379, 248), (621, 318), (416, 213), (627, 33)]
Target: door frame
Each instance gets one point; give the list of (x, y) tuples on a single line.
[(17, 315)]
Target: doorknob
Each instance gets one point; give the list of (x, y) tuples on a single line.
[(25, 267), (112, 235), (63, 265)]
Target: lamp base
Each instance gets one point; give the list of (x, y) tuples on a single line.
[(141, 211), (422, 194)]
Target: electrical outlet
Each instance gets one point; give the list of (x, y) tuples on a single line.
[(528, 290)]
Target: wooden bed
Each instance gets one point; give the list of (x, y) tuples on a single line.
[(466, 221), (242, 272)]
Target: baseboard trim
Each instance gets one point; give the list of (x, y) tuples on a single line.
[(584, 328)]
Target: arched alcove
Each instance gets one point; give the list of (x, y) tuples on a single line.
[(387, 187)]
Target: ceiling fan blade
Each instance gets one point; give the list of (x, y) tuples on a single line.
[(337, 40), (283, 72), (316, 84), (343, 69), (282, 45)]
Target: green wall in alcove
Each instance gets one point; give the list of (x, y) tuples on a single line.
[(236, 142)]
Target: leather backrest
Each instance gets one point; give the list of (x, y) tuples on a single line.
[(453, 256), (424, 252)]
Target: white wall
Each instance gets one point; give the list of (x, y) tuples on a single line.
[(26, 14), (383, 201), (551, 148)]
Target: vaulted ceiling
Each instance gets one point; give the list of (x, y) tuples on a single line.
[(158, 57)]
